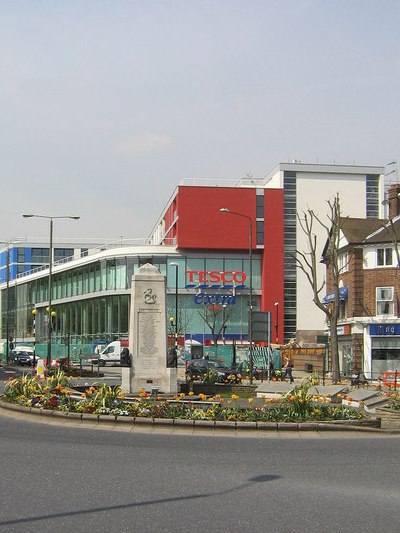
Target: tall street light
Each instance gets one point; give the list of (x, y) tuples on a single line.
[(249, 220), (50, 312), (176, 310), (276, 304)]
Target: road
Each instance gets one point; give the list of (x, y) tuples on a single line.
[(75, 478)]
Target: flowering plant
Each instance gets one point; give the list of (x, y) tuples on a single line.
[(394, 400), (296, 406)]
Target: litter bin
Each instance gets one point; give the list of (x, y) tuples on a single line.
[(308, 367)]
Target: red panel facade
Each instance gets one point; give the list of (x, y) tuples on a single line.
[(201, 225), (169, 217), (273, 261)]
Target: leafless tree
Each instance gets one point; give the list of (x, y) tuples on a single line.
[(182, 318), (307, 261), (216, 317)]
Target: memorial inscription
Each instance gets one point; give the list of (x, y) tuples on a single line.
[(149, 321)]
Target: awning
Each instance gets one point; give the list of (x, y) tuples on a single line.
[(343, 294)]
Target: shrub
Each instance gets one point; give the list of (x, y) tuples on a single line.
[(52, 393), (211, 376)]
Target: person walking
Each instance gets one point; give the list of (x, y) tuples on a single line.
[(288, 366)]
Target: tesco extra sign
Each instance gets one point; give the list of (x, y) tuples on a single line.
[(215, 279)]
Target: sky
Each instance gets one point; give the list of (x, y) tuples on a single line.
[(106, 105)]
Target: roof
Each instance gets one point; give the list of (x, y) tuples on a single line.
[(370, 230), (356, 230), (389, 232)]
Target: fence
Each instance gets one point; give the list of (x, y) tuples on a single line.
[(58, 351), (238, 356)]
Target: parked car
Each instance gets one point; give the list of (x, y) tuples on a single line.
[(22, 357), (197, 369)]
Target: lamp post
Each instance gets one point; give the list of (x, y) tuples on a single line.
[(223, 323), (176, 310), (8, 305), (249, 220), (34, 313), (276, 304), (51, 313)]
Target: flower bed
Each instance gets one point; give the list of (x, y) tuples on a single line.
[(53, 393), (393, 400)]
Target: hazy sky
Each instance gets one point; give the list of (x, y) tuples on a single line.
[(107, 104)]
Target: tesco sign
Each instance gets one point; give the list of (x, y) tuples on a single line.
[(215, 279)]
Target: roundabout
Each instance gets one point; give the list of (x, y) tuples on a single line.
[(298, 410)]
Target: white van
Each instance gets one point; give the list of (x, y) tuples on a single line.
[(112, 353)]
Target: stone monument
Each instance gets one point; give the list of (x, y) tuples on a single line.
[(148, 335)]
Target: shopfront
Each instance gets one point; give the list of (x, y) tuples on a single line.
[(207, 296), (385, 348)]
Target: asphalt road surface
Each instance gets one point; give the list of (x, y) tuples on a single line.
[(59, 478)]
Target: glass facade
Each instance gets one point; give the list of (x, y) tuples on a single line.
[(93, 301), (385, 354), (372, 194), (290, 274)]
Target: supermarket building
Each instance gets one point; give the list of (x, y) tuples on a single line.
[(205, 255)]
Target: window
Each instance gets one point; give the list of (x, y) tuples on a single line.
[(384, 257), (40, 255), (62, 253), (343, 262), (384, 300), (260, 205), (372, 193), (260, 232), (21, 255)]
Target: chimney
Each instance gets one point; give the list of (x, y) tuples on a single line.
[(394, 200)]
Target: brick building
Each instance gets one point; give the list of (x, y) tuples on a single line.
[(369, 319)]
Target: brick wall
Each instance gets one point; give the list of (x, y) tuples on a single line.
[(362, 284)]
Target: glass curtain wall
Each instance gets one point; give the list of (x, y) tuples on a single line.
[(104, 288)]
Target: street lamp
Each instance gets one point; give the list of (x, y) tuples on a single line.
[(8, 305), (49, 329), (34, 313), (176, 309), (249, 220), (223, 322), (276, 304)]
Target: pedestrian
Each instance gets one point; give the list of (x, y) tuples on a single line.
[(288, 366), (125, 357), (271, 371), (172, 358)]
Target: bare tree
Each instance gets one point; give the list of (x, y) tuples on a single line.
[(307, 261), (216, 318), (182, 321)]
